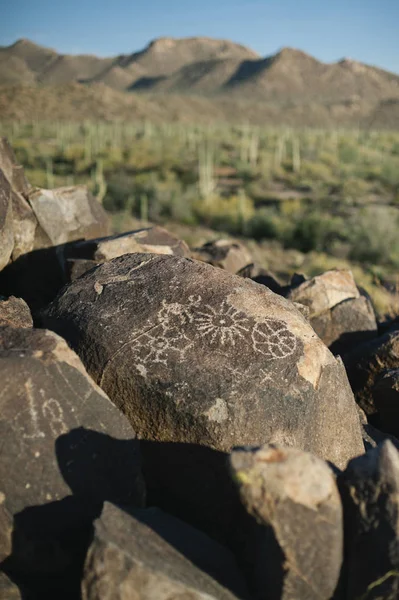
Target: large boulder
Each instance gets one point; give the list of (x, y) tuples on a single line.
[(14, 312), (226, 254), (296, 549), (6, 231), (341, 316), (69, 213), (370, 495), (200, 361), (365, 364), (129, 558), (65, 449)]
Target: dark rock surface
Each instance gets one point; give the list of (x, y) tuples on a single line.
[(298, 547), (226, 254), (14, 312), (65, 449), (129, 558), (366, 363), (386, 400), (370, 495), (339, 314)]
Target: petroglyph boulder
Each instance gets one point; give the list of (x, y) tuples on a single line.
[(370, 495), (194, 354), (64, 449), (201, 361), (6, 231), (339, 314), (297, 549), (130, 559), (155, 240), (14, 312), (68, 213), (366, 363), (226, 254)]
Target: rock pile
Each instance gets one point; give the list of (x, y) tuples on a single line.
[(171, 430)]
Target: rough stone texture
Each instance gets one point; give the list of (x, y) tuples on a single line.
[(130, 559), (225, 254), (200, 361), (64, 450), (386, 400), (69, 213), (339, 314), (294, 499), (370, 495), (155, 240), (204, 552), (24, 222), (8, 589), (76, 267), (6, 231), (14, 312), (365, 364)]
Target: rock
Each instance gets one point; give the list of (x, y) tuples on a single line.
[(14, 312), (65, 449), (8, 589), (155, 240), (68, 213), (204, 552), (201, 361), (225, 254), (386, 400), (6, 231), (365, 364), (264, 277), (130, 559), (370, 495), (339, 314), (298, 547), (76, 267), (24, 222)]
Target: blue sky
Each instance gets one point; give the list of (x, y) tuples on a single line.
[(365, 30)]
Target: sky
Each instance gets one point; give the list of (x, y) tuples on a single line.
[(363, 30)]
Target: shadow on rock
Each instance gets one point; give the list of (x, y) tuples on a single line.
[(50, 541)]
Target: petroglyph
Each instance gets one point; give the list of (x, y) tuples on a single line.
[(273, 339), (221, 325)]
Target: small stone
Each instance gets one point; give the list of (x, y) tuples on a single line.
[(14, 312), (226, 254)]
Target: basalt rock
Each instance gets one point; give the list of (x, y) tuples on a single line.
[(14, 312), (65, 449), (341, 316), (225, 254), (130, 559), (6, 231), (201, 361), (68, 213), (365, 365), (370, 493), (295, 550)]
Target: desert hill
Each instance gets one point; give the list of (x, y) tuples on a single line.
[(216, 75)]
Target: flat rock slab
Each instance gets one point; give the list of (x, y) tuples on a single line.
[(14, 312), (154, 240), (339, 314), (65, 449), (365, 365), (225, 254), (297, 551), (370, 493), (129, 558), (69, 213)]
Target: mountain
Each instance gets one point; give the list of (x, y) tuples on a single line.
[(202, 70)]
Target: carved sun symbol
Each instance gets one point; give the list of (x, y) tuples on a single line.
[(221, 325)]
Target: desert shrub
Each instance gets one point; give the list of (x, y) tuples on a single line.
[(375, 236)]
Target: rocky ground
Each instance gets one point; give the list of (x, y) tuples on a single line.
[(176, 424)]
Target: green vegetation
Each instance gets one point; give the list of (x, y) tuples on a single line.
[(334, 192)]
